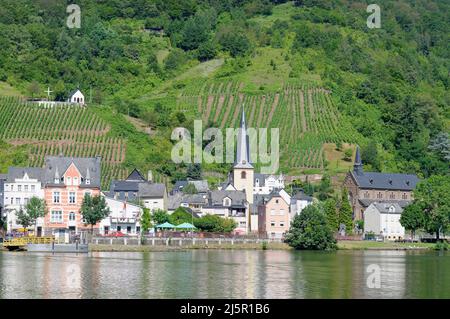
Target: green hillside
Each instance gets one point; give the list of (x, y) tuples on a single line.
[(71, 131), (310, 67), (305, 114)]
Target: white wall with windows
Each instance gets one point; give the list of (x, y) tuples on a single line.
[(124, 217), (16, 196)]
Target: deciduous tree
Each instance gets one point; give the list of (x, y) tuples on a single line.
[(94, 209), (310, 230)]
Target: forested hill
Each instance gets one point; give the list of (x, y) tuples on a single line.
[(311, 67)]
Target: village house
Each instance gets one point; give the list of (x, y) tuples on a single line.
[(383, 218), (195, 202), (265, 184), (274, 214), (3, 178), (135, 188), (299, 201), (124, 217), (67, 180), (364, 188), (76, 97), (20, 185), (229, 204)]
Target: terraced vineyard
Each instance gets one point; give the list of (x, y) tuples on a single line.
[(305, 114), (67, 130)]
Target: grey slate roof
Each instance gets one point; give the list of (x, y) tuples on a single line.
[(149, 190), (383, 207), (401, 203), (136, 186), (59, 164), (388, 181), (261, 178), (175, 200), (215, 198), (201, 185), (19, 172), (135, 175), (124, 186)]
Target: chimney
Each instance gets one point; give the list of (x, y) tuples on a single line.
[(150, 176)]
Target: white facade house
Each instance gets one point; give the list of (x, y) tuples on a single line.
[(22, 183), (229, 204), (76, 97), (299, 202), (383, 218), (124, 217), (264, 184)]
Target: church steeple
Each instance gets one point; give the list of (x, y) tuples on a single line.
[(358, 166), (243, 151)]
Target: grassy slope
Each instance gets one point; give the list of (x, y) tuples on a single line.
[(8, 90)]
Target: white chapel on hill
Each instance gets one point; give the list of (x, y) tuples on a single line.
[(76, 97)]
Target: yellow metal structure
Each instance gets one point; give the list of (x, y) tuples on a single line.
[(23, 241)]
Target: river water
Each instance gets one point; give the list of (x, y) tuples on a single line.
[(226, 274)]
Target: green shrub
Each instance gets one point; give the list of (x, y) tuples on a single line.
[(310, 231), (441, 245), (264, 245)]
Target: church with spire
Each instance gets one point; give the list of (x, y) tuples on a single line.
[(365, 188), (243, 178), (243, 170)]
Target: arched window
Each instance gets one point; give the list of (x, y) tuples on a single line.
[(243, 174), (226, 201)]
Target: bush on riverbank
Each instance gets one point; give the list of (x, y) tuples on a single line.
[(441, 245), (310, 231)]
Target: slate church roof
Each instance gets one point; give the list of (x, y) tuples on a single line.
[(243, 150), (386, 181)]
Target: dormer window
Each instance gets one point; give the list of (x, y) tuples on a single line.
[(390, 181), (56, 180), (392, 209), (226, 202), (371, 181), (88, 182)]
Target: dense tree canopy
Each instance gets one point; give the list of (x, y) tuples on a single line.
[(310, 230), (391, 83)]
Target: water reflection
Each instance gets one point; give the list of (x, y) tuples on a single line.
[(225, 274)]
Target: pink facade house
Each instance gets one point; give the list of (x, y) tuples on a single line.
[(66, 181), (274, 214)]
